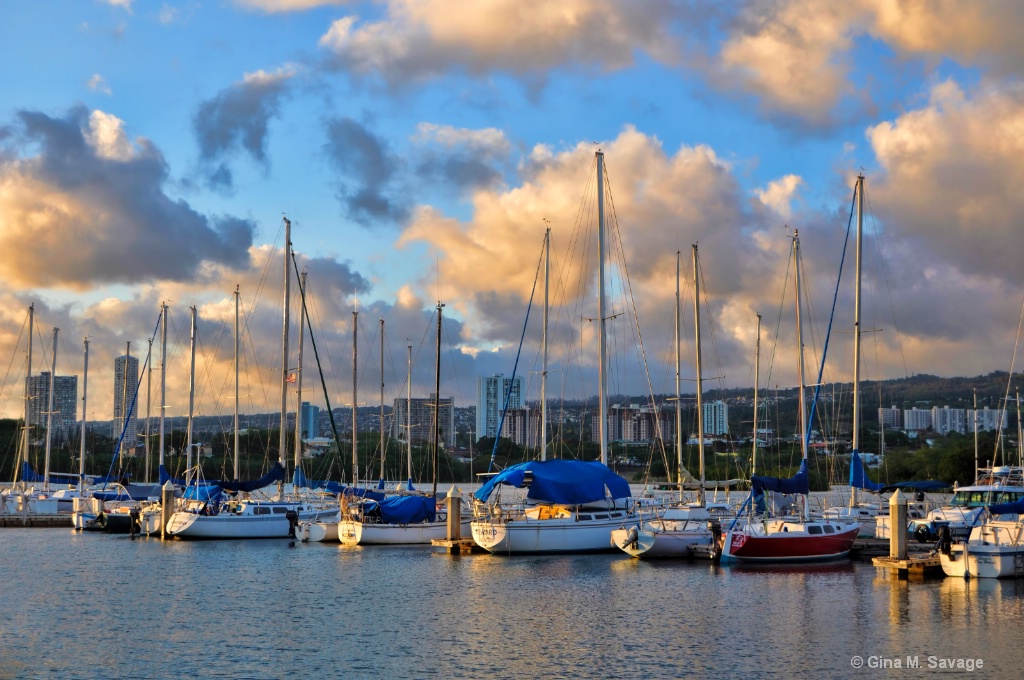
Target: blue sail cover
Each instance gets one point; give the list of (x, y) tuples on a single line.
[(566, 482), (356, 491), (30, 475), (276, 474), (203, 492), (859, 476), (1015, 508), (405, 509), (798, 483)]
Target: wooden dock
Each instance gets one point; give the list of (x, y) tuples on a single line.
[(461, 546), (35, 521), (915, 567), (866, 548)]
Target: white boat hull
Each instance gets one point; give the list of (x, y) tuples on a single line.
[(526, 535), (351, 532), (317, 532), (650, 540), (983, 562), (189, 525)]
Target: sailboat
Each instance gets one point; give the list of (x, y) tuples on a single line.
[(785, 539), (572, 506), (675, 531), (406, 518), (203, 515)]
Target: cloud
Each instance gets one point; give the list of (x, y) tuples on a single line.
[(86, 207), (779, 194), (951, 179), (98, 84), (237, 119), (126, 4), (423, 39), (280, 6), (459, 157), (369, 172)]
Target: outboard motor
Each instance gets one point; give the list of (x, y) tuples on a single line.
[(945, 541), (293, 521), (134, 525)]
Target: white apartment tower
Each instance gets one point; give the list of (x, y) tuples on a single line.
[(126, 382), (491, 391)]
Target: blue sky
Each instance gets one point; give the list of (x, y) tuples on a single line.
[(149, 150)]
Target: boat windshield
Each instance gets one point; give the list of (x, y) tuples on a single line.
[(971, 499)]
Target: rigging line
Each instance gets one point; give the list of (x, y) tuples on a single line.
[(629, 286), (835, 297), (131, 409), (10, 365), (888, 288), (515, 366), (1009, 382), (316, 354)]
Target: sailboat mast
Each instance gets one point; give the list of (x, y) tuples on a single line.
[(700, 382), (437, 395), (602, 375), (544, 353), (25, 438), (800, 360), (149, 405), (1020, 446), (237, 297), (975, 433), (85, 393), (757, 372), (49, 412), (191, 388), (408, 417), (857, 328), (163, 376), (124, 403), (298, 374), (679, 404), (382, 399), (355, 373), (282, 443)]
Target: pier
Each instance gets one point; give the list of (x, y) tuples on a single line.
[(30, 520)]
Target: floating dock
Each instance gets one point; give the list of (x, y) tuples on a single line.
[(916, 567), (35, 521), (460, 546)]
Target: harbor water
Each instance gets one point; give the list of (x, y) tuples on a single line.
[(104, 606)]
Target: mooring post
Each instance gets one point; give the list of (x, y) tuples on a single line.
[(898, 535), (166, 507), (454, 501)]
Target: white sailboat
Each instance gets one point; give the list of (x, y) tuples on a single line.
[(572, 506), (674, 531), (405, 519), (200, 517)]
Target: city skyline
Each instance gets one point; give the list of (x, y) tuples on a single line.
[(148, 155)]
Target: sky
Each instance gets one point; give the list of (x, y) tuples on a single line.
[(149, 152)]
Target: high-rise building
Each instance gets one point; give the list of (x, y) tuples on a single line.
[(65, 404), (716, 418), (889, 417), (126, 383), (916, 420), (634, 423), (420, 425), (310, 420), (491, 392)]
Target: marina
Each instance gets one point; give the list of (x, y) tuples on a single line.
[(204, 609)]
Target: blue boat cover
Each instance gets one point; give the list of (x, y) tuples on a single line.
[(859, 476), (30, 475), (927, 485), (276, 474), (403, 509), (1014, 508), (203, 492), (566, 482), (798, 483)]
